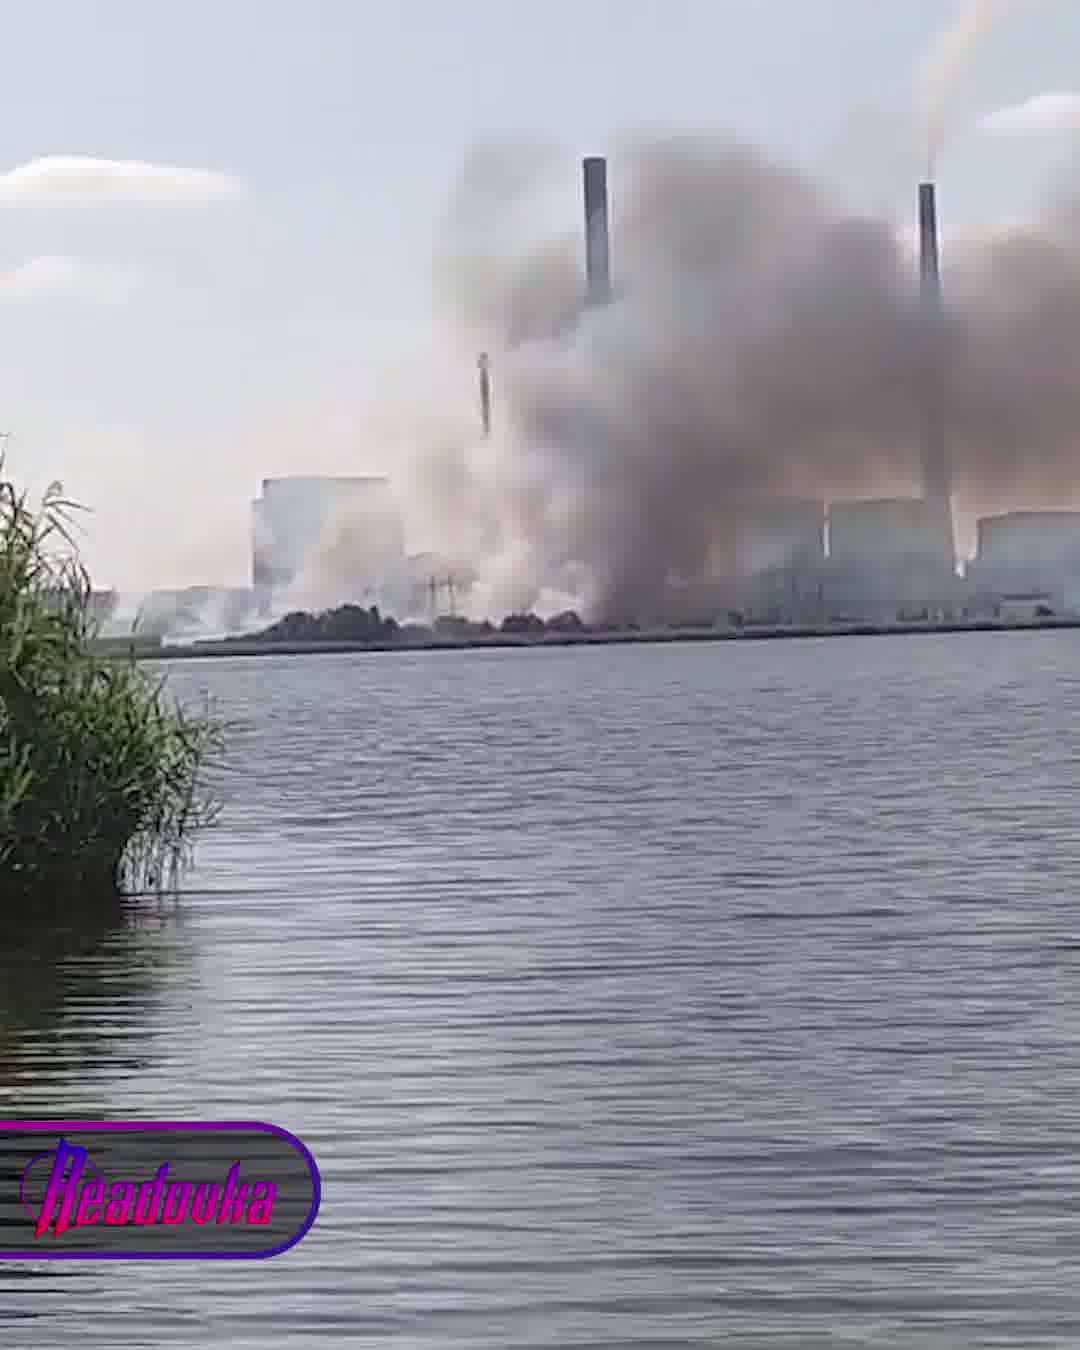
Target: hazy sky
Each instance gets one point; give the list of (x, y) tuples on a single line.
[(166, 342)]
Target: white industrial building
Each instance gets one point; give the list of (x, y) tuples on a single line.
[(885, 562), (1026, 554), (1048, 539), (882, 532), (873, 561)]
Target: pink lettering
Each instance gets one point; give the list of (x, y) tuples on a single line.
[(177, 1198), (121, 1202), (263, 1194), (61, 1188), (91, 1202), (202, 1204)]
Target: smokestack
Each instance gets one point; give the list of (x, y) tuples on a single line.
[(937, 479), (929, 258), (483, 364), (597, 244)]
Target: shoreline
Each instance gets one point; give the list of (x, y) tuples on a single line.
[(241, 647)]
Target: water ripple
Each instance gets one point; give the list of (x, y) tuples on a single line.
[(670, 997)]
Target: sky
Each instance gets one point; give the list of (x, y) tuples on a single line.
[(167, 339)]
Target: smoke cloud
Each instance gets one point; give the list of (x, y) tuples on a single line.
[(360, 539), (763, 343), (1045, 113), (941, 77)]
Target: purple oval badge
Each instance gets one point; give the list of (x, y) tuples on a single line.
[(143, 1190)]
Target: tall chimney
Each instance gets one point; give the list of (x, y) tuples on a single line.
[(483, 364), (597, 244), (937, 479), (929, 259)]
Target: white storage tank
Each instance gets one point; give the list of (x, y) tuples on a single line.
[(1030, 539)]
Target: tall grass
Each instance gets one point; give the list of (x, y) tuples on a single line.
[(101, 776)]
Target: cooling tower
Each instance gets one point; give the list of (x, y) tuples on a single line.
[(597, 245), (937, 484)]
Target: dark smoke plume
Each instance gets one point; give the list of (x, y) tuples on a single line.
[(763, 342)]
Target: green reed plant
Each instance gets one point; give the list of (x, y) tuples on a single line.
[(101, 776)]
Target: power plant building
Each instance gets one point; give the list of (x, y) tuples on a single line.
[(885, 561), (883, 532), (894, 557), (1023, 539), (1027, 553), (876, 560)]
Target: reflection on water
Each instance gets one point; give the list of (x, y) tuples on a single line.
[(72, 994), (79, 997), (640, 998)]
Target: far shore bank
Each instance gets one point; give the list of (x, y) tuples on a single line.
[(244, 647)]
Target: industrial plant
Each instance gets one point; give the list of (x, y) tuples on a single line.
[(796, 561), (318, 542)]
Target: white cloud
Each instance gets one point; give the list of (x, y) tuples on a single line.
[(79, 180), (52, 277), (1035, 116)]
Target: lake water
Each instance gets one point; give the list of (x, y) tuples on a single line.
[(670, 996)]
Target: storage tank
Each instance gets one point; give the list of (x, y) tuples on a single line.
[(1030, 539)]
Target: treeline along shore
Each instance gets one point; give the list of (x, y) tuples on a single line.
[(353, 629)]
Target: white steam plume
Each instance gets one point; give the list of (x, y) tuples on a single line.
[(941, 77)]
